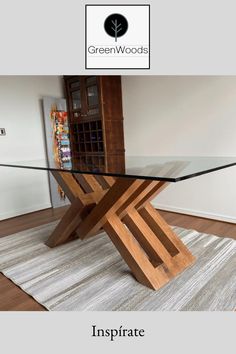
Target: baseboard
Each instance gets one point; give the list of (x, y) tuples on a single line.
[(178, 210), (198, 213), (23, 211)]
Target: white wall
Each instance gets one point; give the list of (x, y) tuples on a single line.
[(23, 191), (181, 116)]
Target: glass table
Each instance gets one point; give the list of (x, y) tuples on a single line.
[(119, 203)]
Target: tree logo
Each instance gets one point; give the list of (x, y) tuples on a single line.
[(116, 25)]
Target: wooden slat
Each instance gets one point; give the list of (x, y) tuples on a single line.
[(131, 201), (83, 183), (72, 189), (67, 226), (133, 255), (68, 184), (158, 232), (109, 204), (163, 230), (146, 237), (102, 182), (92, 182), (110, 180), (157, 188)]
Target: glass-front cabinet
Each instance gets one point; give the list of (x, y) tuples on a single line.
[(96, 122)]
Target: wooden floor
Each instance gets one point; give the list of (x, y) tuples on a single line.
[(13, 298)]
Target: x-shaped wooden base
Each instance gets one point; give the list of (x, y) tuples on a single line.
[(121, 207)]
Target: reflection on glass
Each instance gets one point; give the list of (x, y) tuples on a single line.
[(74, 84), (92, 93), (76, 102), (90, 80)]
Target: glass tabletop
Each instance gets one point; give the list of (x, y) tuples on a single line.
[(161, 168)]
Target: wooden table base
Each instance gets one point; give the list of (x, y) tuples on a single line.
[(121, 207)]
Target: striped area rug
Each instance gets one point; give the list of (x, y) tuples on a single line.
[(90, 275)]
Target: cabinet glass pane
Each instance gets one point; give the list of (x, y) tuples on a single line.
[(76, 101), (75, 84), (91, 80), (92, 93)]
